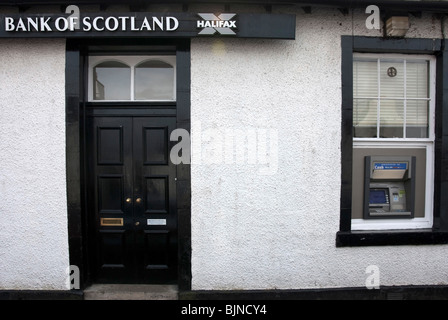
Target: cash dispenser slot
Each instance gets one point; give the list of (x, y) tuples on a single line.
[(389, 188)]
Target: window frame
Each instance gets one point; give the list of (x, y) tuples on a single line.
[(438, 233), (132, 62), (404, 143), (432, 85), (425, 222)]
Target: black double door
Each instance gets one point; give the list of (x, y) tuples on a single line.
[(132, 199)]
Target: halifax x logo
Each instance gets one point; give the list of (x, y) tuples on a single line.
[(212, 24)]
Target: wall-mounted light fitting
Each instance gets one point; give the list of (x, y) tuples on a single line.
[(397, 26)]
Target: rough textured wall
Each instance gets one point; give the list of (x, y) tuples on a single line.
[(262, 217), (277, 230), (33, 206)]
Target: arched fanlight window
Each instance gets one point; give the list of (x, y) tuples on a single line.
[(132, 78), (111, 81), (154, 80)]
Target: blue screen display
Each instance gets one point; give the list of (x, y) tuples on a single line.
[(377, 196)]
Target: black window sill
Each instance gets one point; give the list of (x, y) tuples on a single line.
[(390, 238)]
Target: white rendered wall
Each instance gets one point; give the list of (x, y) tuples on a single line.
[(278, 230), (252, 228), (33, 205)]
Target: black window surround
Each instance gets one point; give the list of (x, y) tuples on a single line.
[(438, 234)]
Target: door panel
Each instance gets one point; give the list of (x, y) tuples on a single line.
[(155, 146), (132, 199), (110, 194), (109, 183), (155, 185), (110, 145), (112, 245), (155, 194), (157, 243)]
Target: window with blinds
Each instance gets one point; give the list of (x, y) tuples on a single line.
[(391, 97)]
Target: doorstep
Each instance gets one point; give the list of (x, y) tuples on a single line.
[(131, 292)]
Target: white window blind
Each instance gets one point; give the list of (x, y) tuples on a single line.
[(391, 98)]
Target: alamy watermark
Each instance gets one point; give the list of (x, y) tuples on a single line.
[(373, 278), (226, 146), (73, 277), (373, 20)]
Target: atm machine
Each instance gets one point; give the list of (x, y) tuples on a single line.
[(389, 187)]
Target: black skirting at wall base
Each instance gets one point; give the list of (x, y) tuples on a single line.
[(436, 292), (383, 293), (41, 295)]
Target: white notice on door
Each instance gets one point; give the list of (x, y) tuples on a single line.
[(156, 222)]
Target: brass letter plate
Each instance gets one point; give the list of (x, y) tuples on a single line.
[(112, 222)]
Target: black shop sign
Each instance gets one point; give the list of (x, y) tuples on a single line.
[(140, 24)]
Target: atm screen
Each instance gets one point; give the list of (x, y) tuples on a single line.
[(378, 196)]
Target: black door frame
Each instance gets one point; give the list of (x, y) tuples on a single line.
[(76, 76)]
